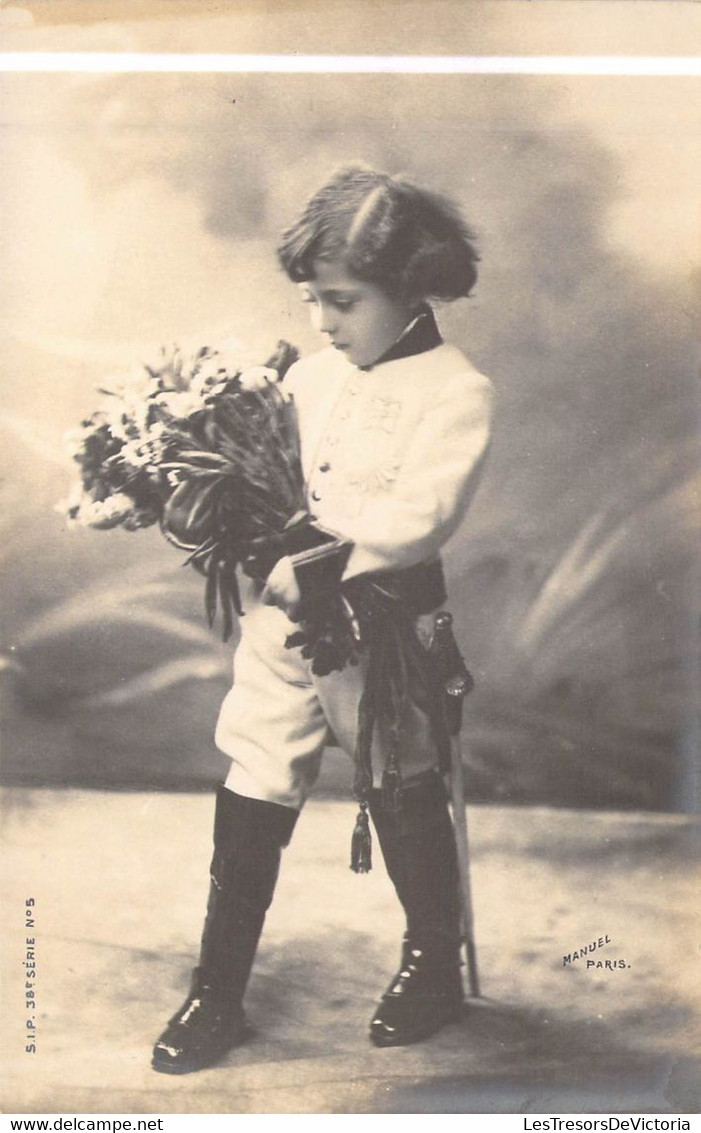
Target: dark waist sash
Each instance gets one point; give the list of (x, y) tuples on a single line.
[(420, 588)]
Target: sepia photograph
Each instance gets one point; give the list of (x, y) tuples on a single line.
[(350, 576)]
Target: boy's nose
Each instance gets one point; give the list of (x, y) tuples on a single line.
[(327, 321)]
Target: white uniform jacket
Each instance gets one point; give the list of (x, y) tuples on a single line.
[(392, 455)]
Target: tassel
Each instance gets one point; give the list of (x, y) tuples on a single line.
[(361, 842), (391, 785)]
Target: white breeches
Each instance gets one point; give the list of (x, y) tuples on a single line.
[(278, 717)]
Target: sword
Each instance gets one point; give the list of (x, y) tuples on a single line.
[(457, 683)]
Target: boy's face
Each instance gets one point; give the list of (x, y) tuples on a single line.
[(358, 317)]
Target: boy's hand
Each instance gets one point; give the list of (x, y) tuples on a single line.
[(282, 589)]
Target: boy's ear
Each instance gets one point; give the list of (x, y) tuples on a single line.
[(416, 299)]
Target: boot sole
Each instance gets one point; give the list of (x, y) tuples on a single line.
[(191, 1066), (418, 1036)]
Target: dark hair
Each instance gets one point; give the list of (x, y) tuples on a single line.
[(409, 241)]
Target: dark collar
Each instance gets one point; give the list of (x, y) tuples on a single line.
[(420, 335)]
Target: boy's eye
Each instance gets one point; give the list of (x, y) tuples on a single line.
[(338, 302)]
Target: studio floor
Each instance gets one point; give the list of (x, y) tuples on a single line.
[(118, 883)]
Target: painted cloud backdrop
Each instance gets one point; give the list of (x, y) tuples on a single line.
[(144, 209)]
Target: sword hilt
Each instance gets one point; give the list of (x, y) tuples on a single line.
[(450, 669)]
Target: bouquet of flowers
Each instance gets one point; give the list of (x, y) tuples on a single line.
[(210, 452)]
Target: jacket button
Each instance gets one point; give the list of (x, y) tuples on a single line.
[(325, 467), (316, 496)]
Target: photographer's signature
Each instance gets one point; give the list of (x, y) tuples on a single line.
[(600, 964)]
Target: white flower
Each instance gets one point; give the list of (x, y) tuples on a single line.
[(134, 386), (70, 506), (257, 377), (180, 405), (136, 455), (75, 441), (147, 451), (126, 415), (100, 513), (211, 370)]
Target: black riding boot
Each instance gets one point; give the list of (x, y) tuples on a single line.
[(418, 846), (248, 838)]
